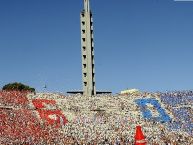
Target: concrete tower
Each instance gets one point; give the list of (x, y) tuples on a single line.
[(87, 47)]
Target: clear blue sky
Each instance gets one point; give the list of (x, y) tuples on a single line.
[(144, 44)]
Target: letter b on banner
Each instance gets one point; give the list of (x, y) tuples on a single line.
[(147, 112)]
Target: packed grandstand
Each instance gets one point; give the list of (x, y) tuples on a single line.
[(52, 118)]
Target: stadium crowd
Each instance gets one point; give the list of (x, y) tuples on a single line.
[(102, 119), (180, 103)]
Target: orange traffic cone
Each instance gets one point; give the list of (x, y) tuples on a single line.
[(139, 137)]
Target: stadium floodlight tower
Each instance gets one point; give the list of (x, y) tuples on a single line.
[(87, 48)]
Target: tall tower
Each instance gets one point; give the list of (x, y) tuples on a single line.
[(87, 47)]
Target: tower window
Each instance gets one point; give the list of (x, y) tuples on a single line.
[(82, 14), (85, 83), (83, 31), (83, 39), (84, 65), (84, 56), (83, 23), (84, 74), (84, 48)]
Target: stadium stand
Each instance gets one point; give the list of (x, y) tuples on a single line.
[(50, 118)]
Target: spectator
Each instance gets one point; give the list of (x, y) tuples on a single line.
[(102, 119)]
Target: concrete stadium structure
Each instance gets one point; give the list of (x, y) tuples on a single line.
[(87, 46), (87, 49)]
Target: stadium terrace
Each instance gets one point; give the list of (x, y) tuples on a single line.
[(50, 118)]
